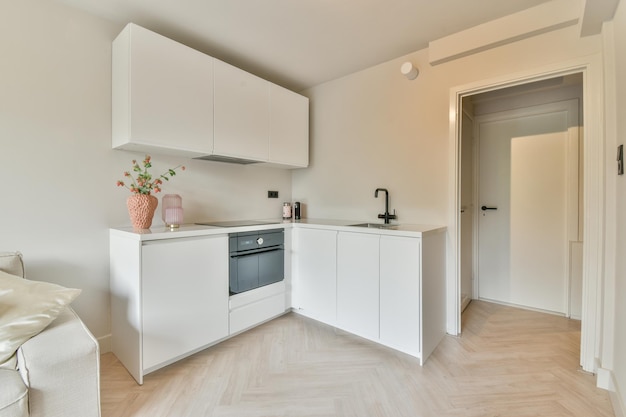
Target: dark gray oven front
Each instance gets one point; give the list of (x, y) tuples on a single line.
[(256, 259)]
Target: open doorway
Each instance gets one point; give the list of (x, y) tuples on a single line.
[(521, 196), (593, 164)]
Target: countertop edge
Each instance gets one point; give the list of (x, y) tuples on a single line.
[(194, 230)]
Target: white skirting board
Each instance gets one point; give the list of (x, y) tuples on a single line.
[(465, 300), (606, 380), (618, 406)]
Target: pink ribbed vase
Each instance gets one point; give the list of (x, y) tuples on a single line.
[(141, 208)]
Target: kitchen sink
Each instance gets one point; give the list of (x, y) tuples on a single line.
[(376, 225)]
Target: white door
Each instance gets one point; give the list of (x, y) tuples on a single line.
[(527, 205)]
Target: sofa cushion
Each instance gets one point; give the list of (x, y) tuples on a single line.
[(26, 308), (12, 263), (61, 367), (13, 395)]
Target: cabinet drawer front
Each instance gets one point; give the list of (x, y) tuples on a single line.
[(255, 313)]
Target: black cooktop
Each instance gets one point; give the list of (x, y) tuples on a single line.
[(237, 223)]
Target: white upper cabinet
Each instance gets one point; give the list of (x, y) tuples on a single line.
[(242, 114), (162, 95), (289, 128), (169, 98)]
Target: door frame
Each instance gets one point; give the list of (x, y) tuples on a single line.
[(593, 201)]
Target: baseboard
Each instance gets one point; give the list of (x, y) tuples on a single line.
[(465, 300), (617, 399), (523, 307), (606, 380), (618, 406), (105, 344)]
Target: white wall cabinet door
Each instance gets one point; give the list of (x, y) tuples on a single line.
[(314, 281), (242, 114), (289, 128), (162, 95), (184, 289), (358, 284), (400, 297)]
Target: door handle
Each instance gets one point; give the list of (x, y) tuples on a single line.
[(483, 208)]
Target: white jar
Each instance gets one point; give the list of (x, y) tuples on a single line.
[(286, 211)]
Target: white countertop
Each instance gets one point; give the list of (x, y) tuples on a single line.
[(192, 230)]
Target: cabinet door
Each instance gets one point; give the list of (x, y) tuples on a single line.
[(289, 127), (357, 283), (184, 295), (400, 293), (314, 282), (242, 113), (162, 94)]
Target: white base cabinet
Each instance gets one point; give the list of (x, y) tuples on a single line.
[(358, 284), (314, 281), (169, 299), (388, 289), (400, 295)]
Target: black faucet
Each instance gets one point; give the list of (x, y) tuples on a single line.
[(386, 215)]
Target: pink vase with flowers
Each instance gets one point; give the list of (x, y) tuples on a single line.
[(141, 203)]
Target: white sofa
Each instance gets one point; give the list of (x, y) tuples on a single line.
[(58, 370)]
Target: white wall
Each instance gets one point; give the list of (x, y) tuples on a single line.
[(375, 128), (59, 172)]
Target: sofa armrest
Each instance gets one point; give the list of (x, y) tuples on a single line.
[(61, 367)]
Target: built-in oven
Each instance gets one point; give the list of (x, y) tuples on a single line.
[(256, 259)]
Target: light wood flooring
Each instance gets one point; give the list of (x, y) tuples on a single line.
[(508, 362)]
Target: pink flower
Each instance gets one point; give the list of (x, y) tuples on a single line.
[(144, 183)]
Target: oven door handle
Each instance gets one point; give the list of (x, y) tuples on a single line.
[(255, 251)]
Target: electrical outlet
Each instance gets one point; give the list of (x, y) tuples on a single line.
[(272, 194)]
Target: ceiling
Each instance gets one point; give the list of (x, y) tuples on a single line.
[(303, 43)]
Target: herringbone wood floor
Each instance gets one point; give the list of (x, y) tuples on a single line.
[(508, 362)]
